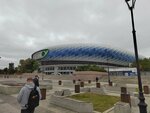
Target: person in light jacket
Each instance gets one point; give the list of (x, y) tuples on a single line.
[(24, 93)]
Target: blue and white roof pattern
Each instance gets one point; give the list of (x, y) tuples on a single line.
[(85, 52)]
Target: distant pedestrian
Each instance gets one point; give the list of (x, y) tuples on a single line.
[(36, 80), (29, 97), (97, 79)]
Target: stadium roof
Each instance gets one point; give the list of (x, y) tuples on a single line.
[(85, 52)]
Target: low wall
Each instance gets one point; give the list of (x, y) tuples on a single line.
[(74, 105), (98, 90), (4, 89), (68, 83), (48, 85), (117, 89)]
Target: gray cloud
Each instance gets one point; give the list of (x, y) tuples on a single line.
[(30, 25)]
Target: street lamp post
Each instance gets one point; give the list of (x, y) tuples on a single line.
[(142, 104)]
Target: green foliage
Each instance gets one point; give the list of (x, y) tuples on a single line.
[(5, 70), (100, 102), (144, 64), (90, 68), (8, 71), (11, 71), (27, 65)]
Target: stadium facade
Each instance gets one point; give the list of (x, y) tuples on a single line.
[(64, 59)]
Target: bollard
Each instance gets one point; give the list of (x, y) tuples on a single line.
[(74, 81), (98, 85), (125, 98), (110, 84), (146, 89), (43, 93), (82, 84), (59, 82), (123, 90), (77, 88), (89, 81)]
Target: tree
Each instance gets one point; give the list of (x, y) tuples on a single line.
[(5, 70), (144, 64), (27, 65)]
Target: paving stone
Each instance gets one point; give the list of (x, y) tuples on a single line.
[(7, 108), (1, 101)]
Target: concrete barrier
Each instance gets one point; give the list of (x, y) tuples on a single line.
[(68, 83), (58, 93), (46, 86), (121, 107), (66, 92), (134, 101), (63, 92), (86, 89), (5, 89), (98, 90), (74, 105)]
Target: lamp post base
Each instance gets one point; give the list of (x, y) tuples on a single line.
[(142, 105)]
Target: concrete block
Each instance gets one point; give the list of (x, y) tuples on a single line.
[(134, 101), (121, 107), (85, 89), (7, 108), (97, 90), (74, 105), (1, 101), (68, 83), (58, 93), (66, 92), (5, 89)]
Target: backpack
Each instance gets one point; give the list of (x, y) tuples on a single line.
[(33, 100)]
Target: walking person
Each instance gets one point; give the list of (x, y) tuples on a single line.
[(36, 80), (97, 79), (29, 97)]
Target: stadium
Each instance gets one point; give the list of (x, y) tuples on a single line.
[(65, 58)]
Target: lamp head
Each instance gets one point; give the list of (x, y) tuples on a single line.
[(130, 3)]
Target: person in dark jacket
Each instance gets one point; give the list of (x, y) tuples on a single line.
[(36, 80), (97, 79)]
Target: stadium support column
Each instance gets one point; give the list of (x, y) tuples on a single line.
[(142, 104), (55, 70)]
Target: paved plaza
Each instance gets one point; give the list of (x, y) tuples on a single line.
[(9, 104)]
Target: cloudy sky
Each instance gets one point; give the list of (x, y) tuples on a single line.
[(29, 25)]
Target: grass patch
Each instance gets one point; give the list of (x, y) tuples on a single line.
[(100, 102)]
